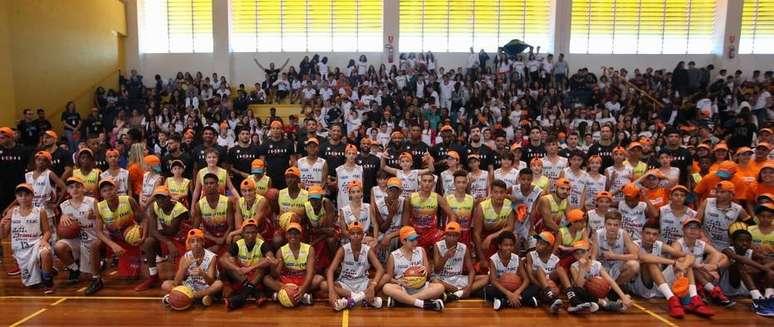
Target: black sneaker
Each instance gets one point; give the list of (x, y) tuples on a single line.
[(94, 287), (435, 305), (390, 302), (450, 297), (74, 277), (48, 286), (613, 306)]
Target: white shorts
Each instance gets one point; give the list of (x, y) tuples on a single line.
[(728, 289), (652, 292), (28, 260), (354, 286), (82, 253), (458, 281)]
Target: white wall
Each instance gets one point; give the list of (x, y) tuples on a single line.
[(239, 67)]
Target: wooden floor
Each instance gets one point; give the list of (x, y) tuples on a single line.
[(118, 304)]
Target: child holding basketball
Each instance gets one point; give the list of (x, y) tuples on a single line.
[(749, 269), (30, 233), (492, 217), (420, 294), (585, 268), (505, 261), (450, 257), (196, 271), (78, 254), (613, 247), (295, 265), (245, 264), (543, 270), (353, 286)]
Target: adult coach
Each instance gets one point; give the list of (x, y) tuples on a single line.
[(278, 154)]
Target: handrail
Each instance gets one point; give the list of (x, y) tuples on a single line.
[(641, 91), (54, 114)]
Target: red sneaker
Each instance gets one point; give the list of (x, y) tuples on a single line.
[(675, 308), (720, 298), (15, 271), (152, 282), (698, 307)]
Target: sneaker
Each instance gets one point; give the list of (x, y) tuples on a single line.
[(306, 299), (613, 306), (376, 303), (94, 287), (450, 297), (274, 296), (698, 307), (341, 304), (675, 308), (720, 298), (498, 304), (207, 301), (531, 302), (48, 286), (15, 271), (556, 306), (165, 300), (161, 259), (74, 277), (435, 305), (151, 282), (390, 302), (581, 308), (593, 307)]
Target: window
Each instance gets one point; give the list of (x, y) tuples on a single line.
[(642, 26), (757, 27), (306, 25), (168, 26), (456, 25)]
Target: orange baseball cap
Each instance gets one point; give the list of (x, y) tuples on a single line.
[(516, 146), (703, 146), (604, 194), (726, 186), (453, 154), (355, 225), (768, 196), (728, 166), (581, 245), (74, 179), (394, 182), (315, 191), (353, 184), (619, 149), (51, 134), (86, 150), (575, 215), (276, 123), (453, 227), (547, 237), (743, 149), (7, 131), (691, 220), (768, 164), (631, 189), (104, 181), (257, 166), (151, 160), (765, 130), (249, 222), (634, 145), (680, 188), (293, 171), (24, 186), (406, 155), (408, 233), (44, 154), (194, 233), (720, 146), (563, 182), (764, 144), (224, 125), (247, 184), (312, 140), (294, 225), (162, 190), (656, 173)]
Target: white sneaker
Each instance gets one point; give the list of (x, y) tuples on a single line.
[(340, 304), (497, 304), (306, 299), (161, 259), (207, 301), (556, 306), (594, 307), (376, 303)]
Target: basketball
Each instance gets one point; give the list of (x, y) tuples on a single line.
[(285, 219), (71, 231), (180, 298), (511, 281), (415, 277), (133, 235), (287, 295), (597, 286)]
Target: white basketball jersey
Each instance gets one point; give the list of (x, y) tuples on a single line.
[(364, 218), (25, 230), (401, 263), (633, 218), (121, 180), (501, 268), (576, 187), (311, 173), (671, 225), (344, 176), (43, 190), (81, 214), (547, 267), (394, 221), (354, 269), (511, 178), (479, 185), (716, 222), (592, 186), (455, 264)]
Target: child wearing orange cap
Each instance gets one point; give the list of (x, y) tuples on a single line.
[(293, 197), (119, 175), (358, 211), (388, 214), (538, 179), (764, 183), (586, 267), (168, 227), (718, 213), (596, 216), (245, 264), (727, 171), (492, 217), (618, 175), (295, 265), (410, 255), (151, 179), (449, 258), (567, 235), (250, 205), (353, 287), (422, 209), (30, 236), (655, 187), (447, 176), (635, 212), (672, 215), (211, 157), (552, 207), (349, 171), (543, 269), (197, 270), (48, 188), (314, 170), (81, 253), (258, 175), (409, 178), (86, 171)]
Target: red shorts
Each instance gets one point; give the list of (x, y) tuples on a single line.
[(180, 246), (428, 237), (129, 264), (566, 260), (292, 279)]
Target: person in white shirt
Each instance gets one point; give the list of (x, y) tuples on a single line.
[(472, 62)]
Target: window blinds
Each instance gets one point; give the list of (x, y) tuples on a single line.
[(757, 27), (175, 26)]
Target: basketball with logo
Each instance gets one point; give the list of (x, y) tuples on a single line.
[(133, 235), (180, 298), (287, 295), (71, 231), (415, 277)]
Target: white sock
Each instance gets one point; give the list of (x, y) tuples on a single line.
[(73, 266), (357, 297), (709, 287), (664, 288), (458, 293), (769, 292), (692, 290), (153, 271), (756, 295), (419, 303)]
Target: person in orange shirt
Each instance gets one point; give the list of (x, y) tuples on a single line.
[(720, 153), (727, 170), (746, 170), (764, 183), (762, 151), (652, 191)]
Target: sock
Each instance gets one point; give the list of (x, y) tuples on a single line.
[(709, 287), (458, 293), (73, 267), (769, 292), (692, 290), (153, 271), (357, 297), (46, 275), (664, 288), (419, 303), (756, 294)]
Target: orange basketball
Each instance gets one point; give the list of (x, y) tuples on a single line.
[(287, 295), (71, 231), (180, 298), (597, 286), (511, 281)]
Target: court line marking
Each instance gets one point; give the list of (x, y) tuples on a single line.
[(345, 319), (81, 289), (60, 301), (654, 315), (28, 317), (81, 297)]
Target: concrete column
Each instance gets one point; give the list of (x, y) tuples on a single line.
[(561, 24), (390, 25), (221, 52), (132, 41)]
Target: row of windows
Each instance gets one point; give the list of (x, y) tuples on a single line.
[(598, 26)]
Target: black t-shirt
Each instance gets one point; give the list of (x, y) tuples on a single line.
[(94, 126), (277, 160), (59, 160), (371, 164), (100, 159), (14, 162), (333, 155), (393, 156), (272, 75), (241, 159), (43, 124), (200, 157), (72, 118), (29, 133), (234, 250), (301, 137), (417, 150), (529, 152), (440, 151), (166, 164), (604, 151), (484, 152)]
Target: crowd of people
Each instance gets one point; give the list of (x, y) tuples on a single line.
[(658, 183)]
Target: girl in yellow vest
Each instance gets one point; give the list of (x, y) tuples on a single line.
[(262, 181), (568, 235), (87, 172), (295, 265), (179, 186), (491, 218), (224, 183), (114, 214), (215, 214), (246, 263), (249, 206)]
